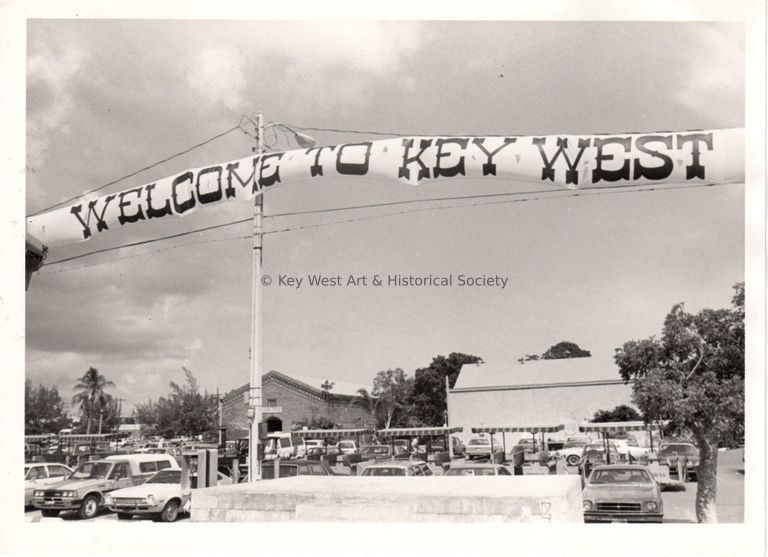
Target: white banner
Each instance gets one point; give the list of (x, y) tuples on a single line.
[(570, 161)]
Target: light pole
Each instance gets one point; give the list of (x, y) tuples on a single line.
[(254, 410), (254, 399), (101, 414)]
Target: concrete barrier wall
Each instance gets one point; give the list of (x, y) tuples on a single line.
[(408, 499)]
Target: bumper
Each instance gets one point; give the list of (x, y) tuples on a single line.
[(136, 508), (603, 516), (57, 503)]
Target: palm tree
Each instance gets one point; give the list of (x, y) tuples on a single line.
[(91, 395)]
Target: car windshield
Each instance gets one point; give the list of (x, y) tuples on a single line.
[(389, 471), (471, 472), (620, 476), (92, 471), (679, 448), (166, 477), (479, 442), (286, 471)]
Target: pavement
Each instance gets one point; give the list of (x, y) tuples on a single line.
[(679, 502)]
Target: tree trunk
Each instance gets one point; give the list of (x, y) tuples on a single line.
[(706, 490), (88, 429), (389, 417)]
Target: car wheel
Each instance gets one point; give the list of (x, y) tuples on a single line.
[(124, 516), (89, 507), (49, 513), (572, 460), (170, 512)]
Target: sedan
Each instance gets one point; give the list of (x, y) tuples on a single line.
[(395, 468), (479, 447), (295, 468), (622, 493), (478, 470), (671, 453)]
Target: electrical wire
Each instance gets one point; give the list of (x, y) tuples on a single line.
[(467, 205), (149, 167), (142, 254), (578, 193)]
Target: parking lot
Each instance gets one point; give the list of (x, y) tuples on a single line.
[(679, 502)]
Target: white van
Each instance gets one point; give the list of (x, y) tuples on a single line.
[(278, 444)]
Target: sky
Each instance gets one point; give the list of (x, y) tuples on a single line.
[(106, 98)]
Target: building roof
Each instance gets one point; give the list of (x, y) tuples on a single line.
[(538, 373), (339, 387)]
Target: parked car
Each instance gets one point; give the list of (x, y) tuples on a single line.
[(85, 488), (439, 445), (479, 447), (295, 468), (670, 453), (594, 454), (398, 468), (161, 497), (572, 450), (478, 470), (377, 452), (622, 493), (41, 474), (278, 445), (347, 446)]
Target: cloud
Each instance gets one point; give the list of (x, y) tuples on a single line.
[(717, 69), (50, 72), (217, 73), (377, 48)]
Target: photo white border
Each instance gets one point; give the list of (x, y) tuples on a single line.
[(19, 537)]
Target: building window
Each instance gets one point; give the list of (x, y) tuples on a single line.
[(271, 402)]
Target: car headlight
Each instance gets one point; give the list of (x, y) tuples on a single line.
[(151, 499), (108, 499), (651, 506), (39, 493), (587, 505), (70, 494)]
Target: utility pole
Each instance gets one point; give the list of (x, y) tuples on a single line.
[(254, 411)]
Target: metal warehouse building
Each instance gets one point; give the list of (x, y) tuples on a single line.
[(540, 392)]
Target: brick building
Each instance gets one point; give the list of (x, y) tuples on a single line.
[(541, 392), (302, 400)]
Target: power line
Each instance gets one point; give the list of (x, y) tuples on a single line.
[(142, 254), (466, 205), (151, 241), (578, 193), (153, 165)]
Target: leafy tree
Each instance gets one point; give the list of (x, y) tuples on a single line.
[(43, 410), (621, 413), (428, 399), (565, 349), (694, 375), (377, 421), (184, 412), (393, 389), (91, 395)]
